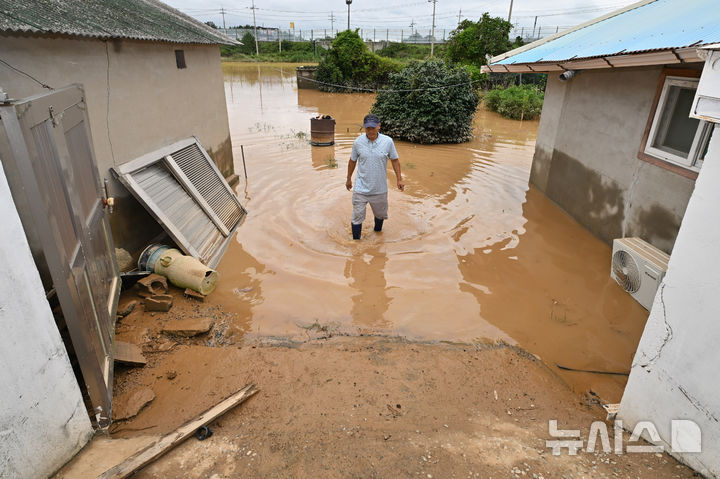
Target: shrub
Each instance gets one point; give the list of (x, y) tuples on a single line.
[(427, 114), (516, 102), (350, 63)]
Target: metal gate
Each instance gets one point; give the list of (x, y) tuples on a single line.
[(50, 139)]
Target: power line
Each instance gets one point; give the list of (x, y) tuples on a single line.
[(409, 90), (27, 75)]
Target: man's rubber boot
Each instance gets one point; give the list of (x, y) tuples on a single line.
[(378, 224), (356, 229)]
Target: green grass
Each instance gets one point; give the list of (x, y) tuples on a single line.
[(292, 52), (406, 52), (516, 102)]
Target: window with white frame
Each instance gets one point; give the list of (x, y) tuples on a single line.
[(674, 136)]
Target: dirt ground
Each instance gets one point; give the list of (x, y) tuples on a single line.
[(332, 405)]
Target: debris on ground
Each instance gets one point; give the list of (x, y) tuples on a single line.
[(129, 404), (128, 354), (159, 302), (127, 309), (188, 327), (147, 455), (151, 285), (189, 293), (185, 271)]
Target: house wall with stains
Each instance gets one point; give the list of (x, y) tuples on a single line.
[(586, 156), (674, 372), (138, 101), (43, 420)]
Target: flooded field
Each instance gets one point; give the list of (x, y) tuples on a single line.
[(469, 252)]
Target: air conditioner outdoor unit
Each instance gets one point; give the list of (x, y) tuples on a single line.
[(638, 267)]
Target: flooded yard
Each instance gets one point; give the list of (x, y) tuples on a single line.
[(469, 253)]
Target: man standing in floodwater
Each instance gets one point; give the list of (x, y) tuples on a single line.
[(370, 153)]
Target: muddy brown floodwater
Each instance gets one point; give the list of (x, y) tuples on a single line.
[(469, 252)]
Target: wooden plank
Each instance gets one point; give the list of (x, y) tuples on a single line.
[(145, 456), (127, 353)]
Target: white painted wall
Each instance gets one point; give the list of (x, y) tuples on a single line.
[(675, 371), (43, 421)]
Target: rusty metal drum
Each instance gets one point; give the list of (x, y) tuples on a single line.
[(322, 131)]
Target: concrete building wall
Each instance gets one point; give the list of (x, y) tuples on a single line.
[(138, 101), (586, 161), (43, 421), (674, 373)]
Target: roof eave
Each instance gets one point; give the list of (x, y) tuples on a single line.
[(225, 40), (648, 58)]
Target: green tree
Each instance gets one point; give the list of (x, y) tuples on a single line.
[(428, 102), (350, 63), (472, 42), (248, 44)]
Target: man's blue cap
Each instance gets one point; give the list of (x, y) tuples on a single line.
[(371, 121)]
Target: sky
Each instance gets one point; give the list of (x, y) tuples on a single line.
[(395, 14)]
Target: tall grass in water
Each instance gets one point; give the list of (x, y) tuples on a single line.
[(516, 102)]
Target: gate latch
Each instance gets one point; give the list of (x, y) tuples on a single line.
[(108, 201), (56, 118)]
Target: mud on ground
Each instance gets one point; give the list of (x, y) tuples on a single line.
[(358, 406)]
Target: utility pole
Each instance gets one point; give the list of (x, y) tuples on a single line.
[(510, 12), (257, 49), (412, 27), (222, 12), (348, 4), (279, 41), (534, 25), (332, 22), (459, 16), (432, 32)]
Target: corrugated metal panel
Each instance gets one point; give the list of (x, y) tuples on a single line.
[(181, 187), (180, 208), (192, 162), (660, 25), (132, 19)]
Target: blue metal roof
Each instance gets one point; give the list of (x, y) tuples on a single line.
[(663, 24)]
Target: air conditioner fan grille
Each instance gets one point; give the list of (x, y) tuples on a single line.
[(626, 271)]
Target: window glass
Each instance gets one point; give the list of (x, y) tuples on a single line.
[(676, 130), (180, 58)]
